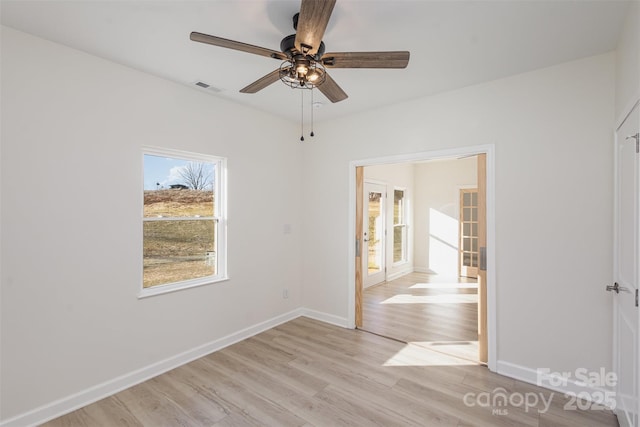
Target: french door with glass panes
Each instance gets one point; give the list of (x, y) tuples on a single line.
[(374, 233), (469, 252)]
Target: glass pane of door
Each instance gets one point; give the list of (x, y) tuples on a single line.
[(374, 257), (375, 231), (469, 233)]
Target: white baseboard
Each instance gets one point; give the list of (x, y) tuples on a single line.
[(423, 270), (399, 274), (553, 381), (93, 394), (325, 317)]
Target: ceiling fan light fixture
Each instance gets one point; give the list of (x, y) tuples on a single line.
[(302, 74), (314, 75), (302, 67)]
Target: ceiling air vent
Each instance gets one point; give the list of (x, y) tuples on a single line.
[(207, 86)]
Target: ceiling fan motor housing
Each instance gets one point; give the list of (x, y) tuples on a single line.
[(288, 47)]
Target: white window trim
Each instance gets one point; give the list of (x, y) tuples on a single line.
[(405, 239), (220, 214)]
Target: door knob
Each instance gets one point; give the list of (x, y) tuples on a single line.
[(616, 288)]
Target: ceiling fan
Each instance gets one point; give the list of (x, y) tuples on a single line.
[(303, 54)]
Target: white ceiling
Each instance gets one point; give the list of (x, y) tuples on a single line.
[(452, 43)]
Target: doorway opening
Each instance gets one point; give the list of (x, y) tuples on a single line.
[(427, 293)]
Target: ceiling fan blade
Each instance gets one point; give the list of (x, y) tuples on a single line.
[(262, 82), (397, 59), (331, 90), (312, 22), (232, 44)]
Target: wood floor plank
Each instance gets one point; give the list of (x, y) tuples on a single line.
[(255, 378), (238, 399), (109, 409), (296, 379), (563, 412), (236, 419), (452, 401), (75, 418), (379, 395), (175, 386), (151, 406), (361, 405)]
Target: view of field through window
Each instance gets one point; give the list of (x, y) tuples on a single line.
[(179, 224)]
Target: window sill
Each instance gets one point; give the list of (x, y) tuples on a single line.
[(175, 287)]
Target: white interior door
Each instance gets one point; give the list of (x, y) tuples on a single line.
[(374, 233), (625, 288)]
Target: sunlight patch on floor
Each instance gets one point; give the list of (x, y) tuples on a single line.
[(418, 354), (444, 286), (432, 299)]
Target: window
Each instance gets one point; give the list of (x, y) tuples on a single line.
[(399, 227), (183, 220), (469, 252)]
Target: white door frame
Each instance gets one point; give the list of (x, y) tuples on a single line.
[(489, 150)]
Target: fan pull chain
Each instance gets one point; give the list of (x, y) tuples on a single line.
[(301, 116), (312, 134)]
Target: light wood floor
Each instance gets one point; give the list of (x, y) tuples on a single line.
[(425, 310), (308, 373)]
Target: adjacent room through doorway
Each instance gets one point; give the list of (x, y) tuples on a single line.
[(422, 254)]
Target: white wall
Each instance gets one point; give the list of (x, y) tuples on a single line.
[(552, 131), (396, 176), (72, 130), (628, 62), (438, 185)]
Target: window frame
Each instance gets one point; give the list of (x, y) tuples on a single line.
[(403, 224), (219, 217)]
